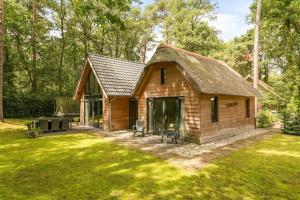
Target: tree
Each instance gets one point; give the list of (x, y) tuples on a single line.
[(60, 8), (237, 53), (280, 44), (48, 40), (185, 24), (1, 60), (256, 51), (33, 45)]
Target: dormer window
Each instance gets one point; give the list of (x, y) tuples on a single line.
[(163, 76)]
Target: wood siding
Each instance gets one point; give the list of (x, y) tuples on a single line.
[(175, 85), (231, 115), (198, 126), (106, 113), (81, 118), (120, 113)]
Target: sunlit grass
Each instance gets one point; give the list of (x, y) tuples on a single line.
[(83, 166)]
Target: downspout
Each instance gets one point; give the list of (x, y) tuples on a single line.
[(110, 120)]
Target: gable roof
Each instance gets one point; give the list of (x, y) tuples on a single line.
[(207, 75), (263, 85), (116, 77)]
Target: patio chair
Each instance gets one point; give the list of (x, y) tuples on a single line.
[(44, 125), (55, 125), (171, 133), (139, 127), (35, 123), (65, 125)]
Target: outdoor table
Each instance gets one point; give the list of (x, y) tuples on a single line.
[(169, 134), (65, 124)]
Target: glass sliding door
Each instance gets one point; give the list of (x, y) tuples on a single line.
[(165, 114), (133, 112), (93, 106), (158, 109), (93, 112), (171, 114)]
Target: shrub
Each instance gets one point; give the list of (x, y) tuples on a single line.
[(27, 106), (264, 119), (291, 124)]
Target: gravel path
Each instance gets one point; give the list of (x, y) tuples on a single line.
[(191, 149), (188, 156)]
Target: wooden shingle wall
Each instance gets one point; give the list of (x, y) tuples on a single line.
[(82, 110), (176, 85), (198, 126), (106, 113), (120, 113), (231, 114)]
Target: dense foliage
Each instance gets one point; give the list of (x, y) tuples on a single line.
[(62, 34), (185, 24), (291, 123), (279, 51), (281, 47), (237, 53), (264, 119), (28, 105), (46, 42)]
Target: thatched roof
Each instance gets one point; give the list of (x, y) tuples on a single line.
[(264, 86), (207, 75)]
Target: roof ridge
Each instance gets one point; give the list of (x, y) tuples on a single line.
[(163, 45), (262, 83), (120, 59)]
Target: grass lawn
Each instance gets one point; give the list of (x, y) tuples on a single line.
[(83, 166)]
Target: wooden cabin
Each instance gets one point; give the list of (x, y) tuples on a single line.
[(267, 92), (200, 97), (105, 92)]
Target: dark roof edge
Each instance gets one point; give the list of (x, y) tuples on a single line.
[(113, 58), (80, 77)]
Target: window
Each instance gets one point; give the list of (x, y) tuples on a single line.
[(214, 109), (163, 76), (91, 86), (247, 103)]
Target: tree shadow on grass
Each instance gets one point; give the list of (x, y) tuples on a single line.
[(82, 166), (76, 167)]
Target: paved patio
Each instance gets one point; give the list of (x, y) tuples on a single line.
[(187, 155)]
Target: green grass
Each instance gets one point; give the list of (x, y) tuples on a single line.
[(83, 166)]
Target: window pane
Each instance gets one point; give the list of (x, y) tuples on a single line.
[(214, 109), (247, 108), (91, 86), (163, 75)]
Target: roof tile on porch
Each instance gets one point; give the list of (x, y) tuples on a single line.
[(118, 77)]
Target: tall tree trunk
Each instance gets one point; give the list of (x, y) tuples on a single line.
[(10, 70), (33, 46), (256, 51), (1, 60), (62, 51)]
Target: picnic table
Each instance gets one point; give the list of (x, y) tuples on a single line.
[(52, 124)]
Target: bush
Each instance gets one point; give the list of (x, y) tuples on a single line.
[(291, 124), (264, 119), (27, 106)]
